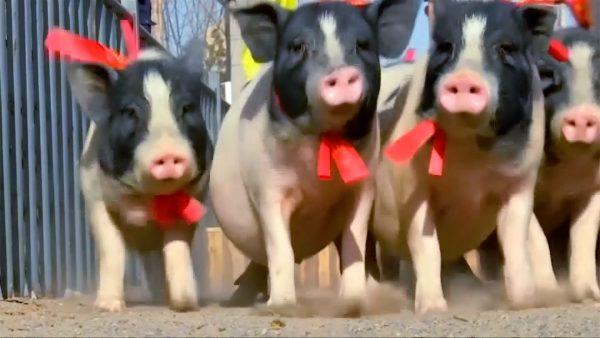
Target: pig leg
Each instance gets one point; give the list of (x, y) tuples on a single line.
[(427, 261), (476, 262), (354, 239), (582, 258), (513, 229), (155, 278), (111, 249), (179, 270), (541, 261), (274, 219), (251, 283)]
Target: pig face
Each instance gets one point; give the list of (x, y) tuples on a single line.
[(152, 134), (326, 59), (479, 76), (572, 92)]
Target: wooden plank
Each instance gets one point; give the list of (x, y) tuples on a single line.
[(215, 265), (324, 264)]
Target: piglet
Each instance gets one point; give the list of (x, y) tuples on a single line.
[(278, 194)]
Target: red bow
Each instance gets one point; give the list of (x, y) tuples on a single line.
[(166, 209), (80, 49), (558, 51), (581, 9), (355, 3), (407, 145), (350, 165)]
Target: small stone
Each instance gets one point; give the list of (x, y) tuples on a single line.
[(277, 324)]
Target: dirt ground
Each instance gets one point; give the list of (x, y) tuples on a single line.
[(473, 313)]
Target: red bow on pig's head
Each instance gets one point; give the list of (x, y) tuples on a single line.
[(581, 9)]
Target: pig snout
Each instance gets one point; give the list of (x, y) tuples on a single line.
[(464, 93), (169, 167), (582, 125), (342, 86)]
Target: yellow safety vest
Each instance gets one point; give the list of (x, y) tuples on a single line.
[(251, 67)]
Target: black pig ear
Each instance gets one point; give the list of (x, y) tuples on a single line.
[(394, 20), (90, 84), (260, 27), (539, 20)]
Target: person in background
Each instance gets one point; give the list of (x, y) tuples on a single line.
[(145, 14)]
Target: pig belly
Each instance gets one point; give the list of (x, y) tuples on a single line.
[(463, 229), (229, 197)]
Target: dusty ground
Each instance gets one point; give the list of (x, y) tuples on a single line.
[(77, 317)]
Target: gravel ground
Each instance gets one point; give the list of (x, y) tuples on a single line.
[(77, 317)]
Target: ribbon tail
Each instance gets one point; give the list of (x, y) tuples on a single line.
[(193, 211), (558, 50), (350, 165), (324, 160), (438, 153), (80, 49), (132, 41), (408, 145)]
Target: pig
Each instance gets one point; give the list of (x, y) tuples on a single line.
[(147, 138), (323, 76), (568, 189), (571, 151), (480, 84)]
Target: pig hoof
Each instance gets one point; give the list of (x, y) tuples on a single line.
[(110, 304), (184, 306), (551, 296), (431, 305), (184, 302), (584, 291)]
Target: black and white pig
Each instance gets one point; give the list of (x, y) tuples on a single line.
[(148, 138), (568, 190), (324, 77), (480, 84)]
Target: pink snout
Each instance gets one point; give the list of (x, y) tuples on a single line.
[(342, 86), (582, 125), (169, 166), (464, 93)]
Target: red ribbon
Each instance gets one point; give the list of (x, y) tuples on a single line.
[(80, 49), (350, 165), (167, 209), (408, 145), (559, 51), (581, 9)]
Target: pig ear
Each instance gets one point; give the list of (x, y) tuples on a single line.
[(540, 22), (89, 85), (259, 26), (193, 57), (394, 20)]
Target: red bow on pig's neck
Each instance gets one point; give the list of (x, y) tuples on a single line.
[(349, 163), (165, 209), (406, 147)]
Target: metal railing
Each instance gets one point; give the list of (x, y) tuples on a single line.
[(45, 244)]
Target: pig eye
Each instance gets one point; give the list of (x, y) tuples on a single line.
[(298, 47), (445, 47), (187, 108), (362, 45), (129, 112), (506, 49)]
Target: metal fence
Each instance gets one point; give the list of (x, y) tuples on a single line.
[(45, 244)]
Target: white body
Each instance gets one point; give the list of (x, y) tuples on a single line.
[(271, 204)]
